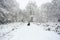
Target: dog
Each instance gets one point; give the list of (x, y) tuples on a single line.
[(28, 24)]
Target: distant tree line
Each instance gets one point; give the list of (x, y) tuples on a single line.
[(10, 12)]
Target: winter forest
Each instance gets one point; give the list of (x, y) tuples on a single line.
[(31, 23), (10, 12)]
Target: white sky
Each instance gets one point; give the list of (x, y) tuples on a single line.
[(23, 3)]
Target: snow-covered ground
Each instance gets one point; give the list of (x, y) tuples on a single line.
[(36, 31)]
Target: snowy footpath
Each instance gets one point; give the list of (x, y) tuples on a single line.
[(20, 31)]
